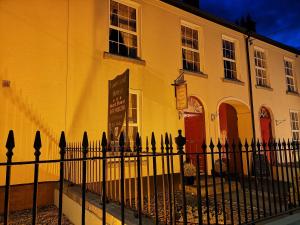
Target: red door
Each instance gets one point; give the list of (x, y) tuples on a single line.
[(195, 136), (229, 128), (266, 129)]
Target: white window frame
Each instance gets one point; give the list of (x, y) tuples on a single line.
[(196, 28), (130, 123), (137, 32), (264, 82), (293, 87), (297, 121), (225, 38)]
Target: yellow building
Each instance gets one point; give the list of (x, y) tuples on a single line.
[(57, 56)]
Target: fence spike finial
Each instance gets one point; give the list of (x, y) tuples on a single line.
[(153, 142), (180, 141), (37, 141), (211, 144), (62, 141), (167, 139), (147, 144), (162, 143), (121, 140), (10, 143), (137, 140), (219, 145), (104, 140), (85, 141)]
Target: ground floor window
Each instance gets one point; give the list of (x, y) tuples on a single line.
[(133, 117), (295, 125)]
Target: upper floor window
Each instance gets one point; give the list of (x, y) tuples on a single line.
[(123, 35), (190, 49), (229, 59), (289, 74), (260, 68), (295, 125)]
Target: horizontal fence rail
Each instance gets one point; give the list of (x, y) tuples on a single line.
[(219, 183)]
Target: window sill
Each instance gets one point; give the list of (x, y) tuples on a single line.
[(233, 81), (192, 73), (264, 87), (295, 93), (139, 61)]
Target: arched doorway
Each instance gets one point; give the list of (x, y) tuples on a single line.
[(194, 123), (229, 131), (266, 128)]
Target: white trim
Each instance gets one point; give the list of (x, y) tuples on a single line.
[(295, 121)]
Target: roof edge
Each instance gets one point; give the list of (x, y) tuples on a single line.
[(225, 23)]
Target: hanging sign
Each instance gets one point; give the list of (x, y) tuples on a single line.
[(118, 98), (181, 96)]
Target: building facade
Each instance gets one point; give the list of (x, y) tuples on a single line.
[(57, 57)]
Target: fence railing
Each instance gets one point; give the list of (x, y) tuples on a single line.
[(238, 184)]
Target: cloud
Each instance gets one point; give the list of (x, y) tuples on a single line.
[(276, 19)]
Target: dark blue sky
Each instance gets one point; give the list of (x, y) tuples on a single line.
[(276, 19)]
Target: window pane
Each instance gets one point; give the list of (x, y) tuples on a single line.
[(123, 37)]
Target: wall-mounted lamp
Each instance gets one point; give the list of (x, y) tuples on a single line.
[(278, 122), (213, 116), (251, 41), (5, 83)]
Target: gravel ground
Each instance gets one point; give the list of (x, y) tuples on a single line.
[(192, 210), (46, 216)]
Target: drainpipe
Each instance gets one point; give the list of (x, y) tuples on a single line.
[(250, 86)]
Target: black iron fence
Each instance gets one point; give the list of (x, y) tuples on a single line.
[(238, 184)]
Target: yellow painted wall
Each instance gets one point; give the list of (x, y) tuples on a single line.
[(53, 55)]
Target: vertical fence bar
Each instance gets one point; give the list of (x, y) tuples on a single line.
[(180, 141), (212, 146), (240, 158), (122, 143), (277, 173), (236, 174), (199, 197), (298, 163), (261, 177), (272, 175), (85, 145), (148, 179), (291, 172), (169, 179), (142, 176), (207, 202), (253, 149), (172, 179), (163, 178), (282, 176), (62, 146), (221, 174), (267, 178), (37, 146), (104, 148), (287, 174), (139, 199), (293, 145), (249, 179), (229, 179), (10, 144), (153, 145)]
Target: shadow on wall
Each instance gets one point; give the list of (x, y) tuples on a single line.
[(22, 117)]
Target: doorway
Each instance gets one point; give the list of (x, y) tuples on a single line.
[(266, 128), (229, 131), (194, 123)]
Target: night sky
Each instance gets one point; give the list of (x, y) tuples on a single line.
[(276, 19)]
